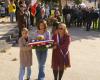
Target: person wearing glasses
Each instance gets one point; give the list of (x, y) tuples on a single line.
[(40, 53), (60, 54)]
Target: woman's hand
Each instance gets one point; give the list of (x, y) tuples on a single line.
[(54, 47)]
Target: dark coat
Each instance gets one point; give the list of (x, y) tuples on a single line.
[(58, 59), (21, 20)]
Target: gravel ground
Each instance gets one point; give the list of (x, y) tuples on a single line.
[(85, 59)]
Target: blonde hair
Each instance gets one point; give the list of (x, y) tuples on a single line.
[(64, 27), (24, 30)]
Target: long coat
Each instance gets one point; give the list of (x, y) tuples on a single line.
[(21, 20), (60, 55), (25, 53)]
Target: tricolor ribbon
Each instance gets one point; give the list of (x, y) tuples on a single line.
[(64, 55)]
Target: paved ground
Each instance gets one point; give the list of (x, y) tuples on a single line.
[(6, 26), (85, 59)]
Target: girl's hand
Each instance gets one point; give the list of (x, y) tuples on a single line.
[(40, 31)]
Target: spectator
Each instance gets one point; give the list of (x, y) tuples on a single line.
[(38, 13), (47, 11), (57, 14), (21, 18), (12, 9)]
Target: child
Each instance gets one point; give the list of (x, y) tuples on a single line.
[(25, 55), (42, 54)]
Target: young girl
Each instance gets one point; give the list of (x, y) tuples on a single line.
[(25, 55), (60, 56), (42, 54)]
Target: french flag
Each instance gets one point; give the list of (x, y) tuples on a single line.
[(33, 7), (33, 2)]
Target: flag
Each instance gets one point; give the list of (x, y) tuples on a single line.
[(33, 2), (33, 9)]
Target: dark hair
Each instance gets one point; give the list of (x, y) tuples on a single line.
[(20, 2), (44, 23), (11, 0), (55, 26)]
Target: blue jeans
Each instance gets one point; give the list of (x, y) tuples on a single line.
[(22, 72), (12, 15), (41, 57)]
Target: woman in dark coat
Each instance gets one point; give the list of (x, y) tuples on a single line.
[(60, 56), (21, 19)]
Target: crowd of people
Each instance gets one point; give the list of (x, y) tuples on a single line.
[(40, 12), (81, 16), (31, 14), (28, 15)]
